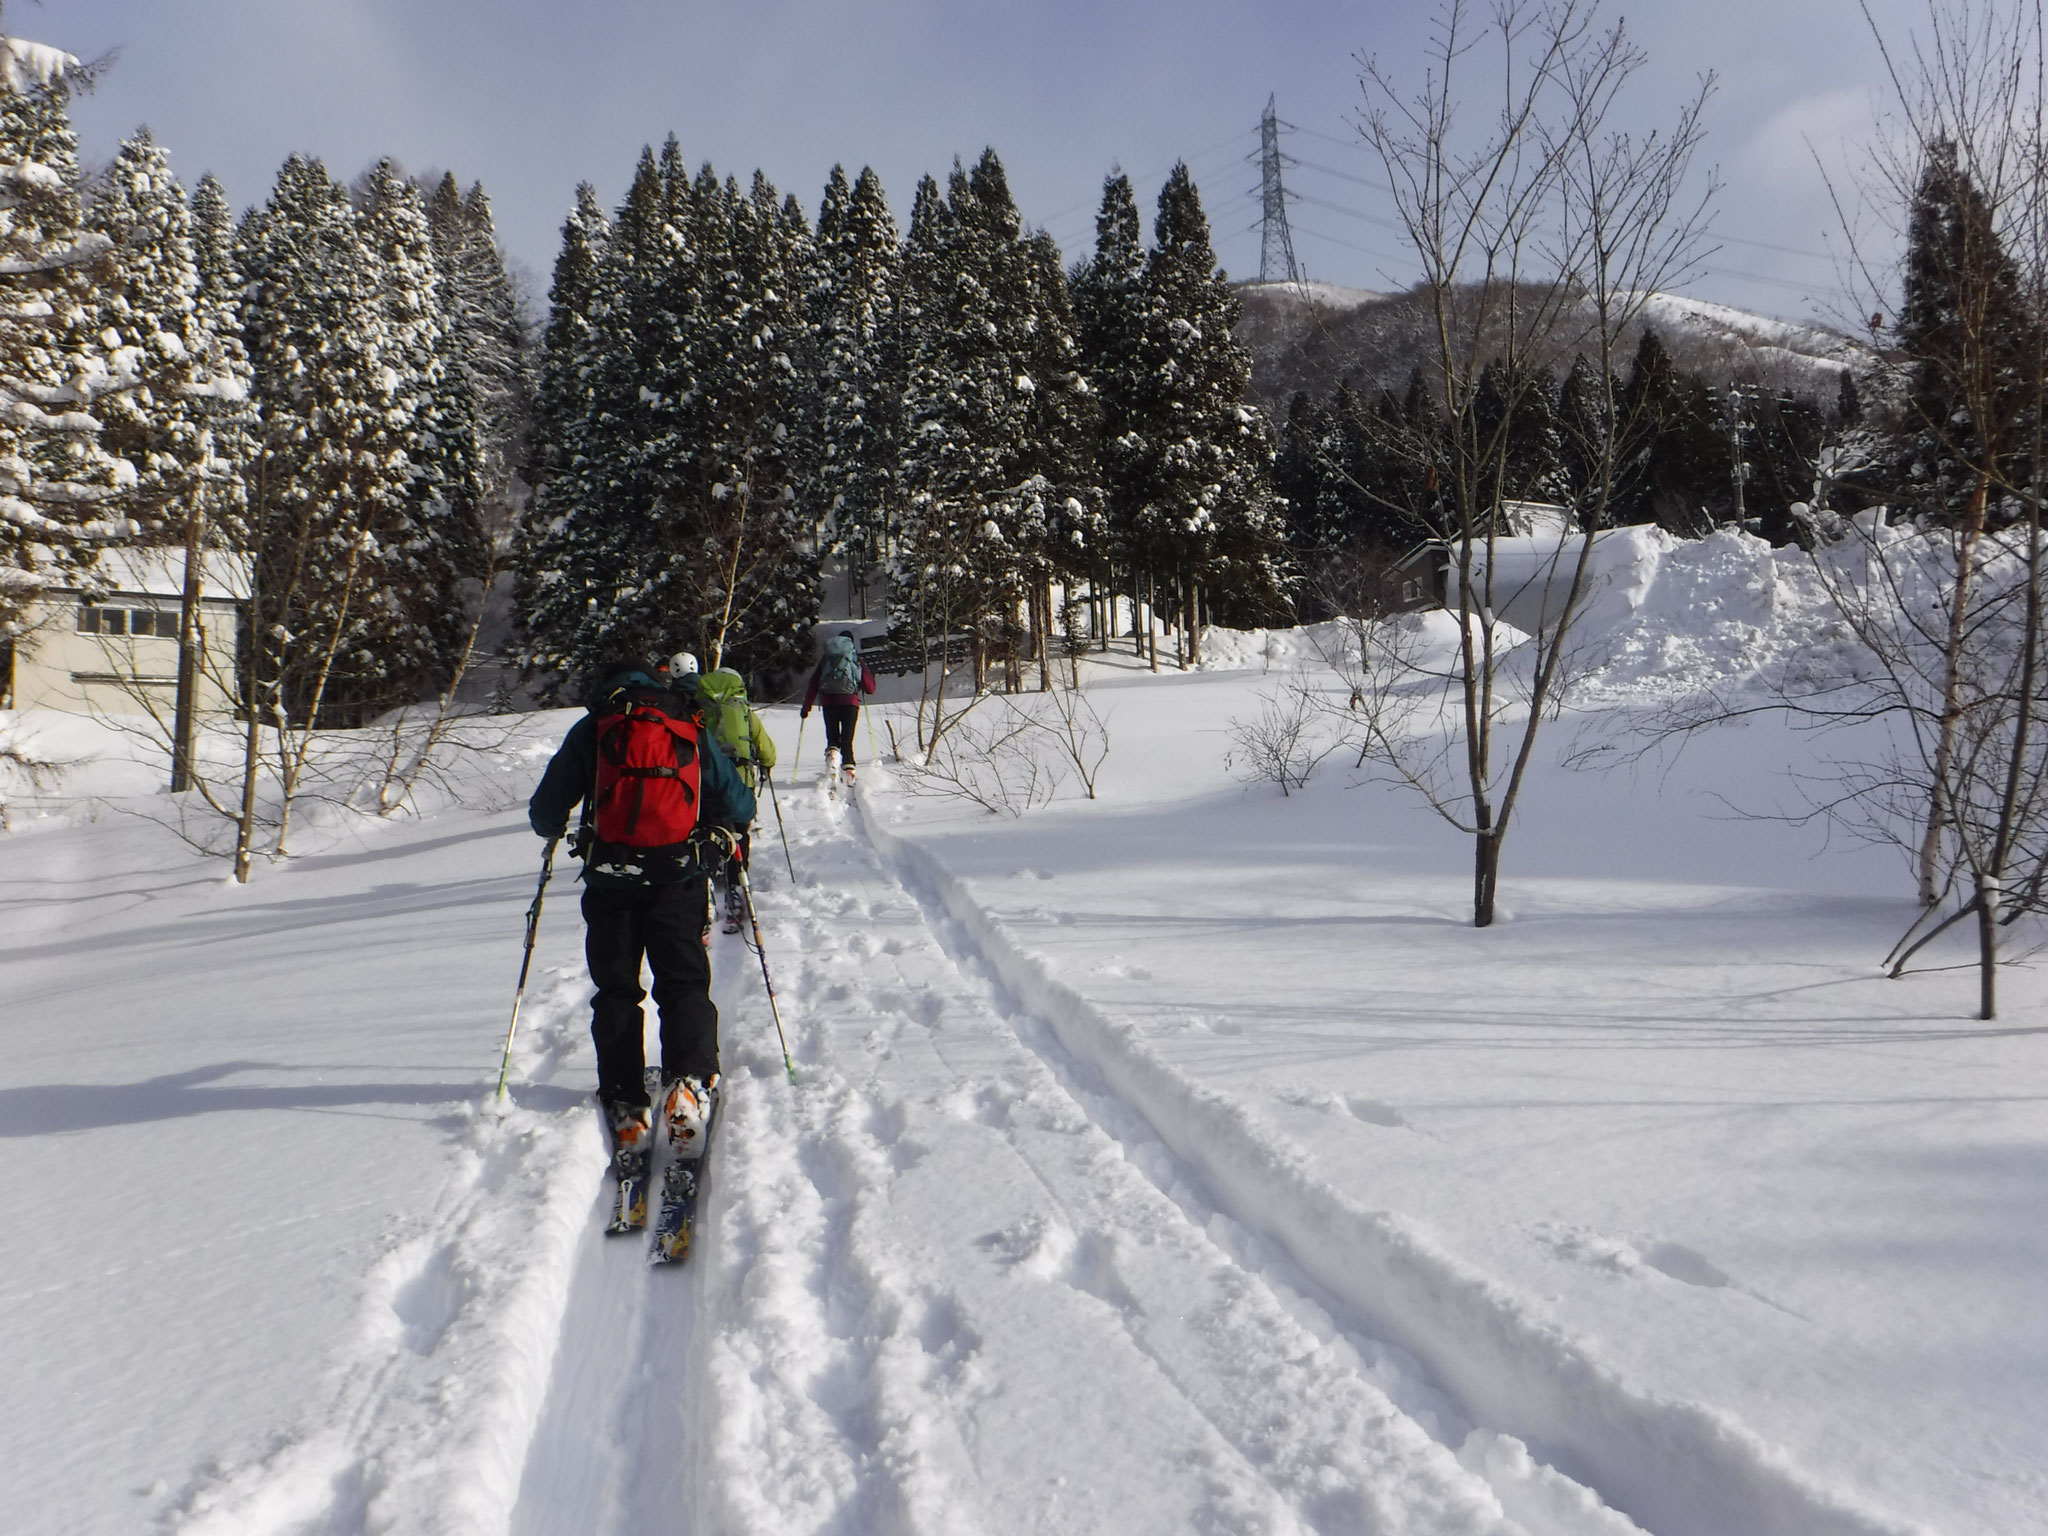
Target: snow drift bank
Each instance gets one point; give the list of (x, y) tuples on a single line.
[(1659, 615)]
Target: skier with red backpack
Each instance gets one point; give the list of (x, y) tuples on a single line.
[(662, 808)]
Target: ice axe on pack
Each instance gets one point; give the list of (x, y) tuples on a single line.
[(547, 868)]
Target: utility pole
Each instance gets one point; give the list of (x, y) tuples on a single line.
[(1276, 248), (1738, 429)]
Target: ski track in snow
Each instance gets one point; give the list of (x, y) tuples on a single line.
[(430, 1410), (943, 1226), (928, 1270), (989, 1232), (1685, 1469)]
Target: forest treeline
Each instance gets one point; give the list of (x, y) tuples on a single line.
[(730, 397), (733, 398), (1358, 472)]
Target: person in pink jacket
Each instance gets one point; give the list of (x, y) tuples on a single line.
[(837, 682)]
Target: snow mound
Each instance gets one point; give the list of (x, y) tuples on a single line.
[(1662, 616)]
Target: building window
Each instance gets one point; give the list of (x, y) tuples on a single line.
[(127, 621)]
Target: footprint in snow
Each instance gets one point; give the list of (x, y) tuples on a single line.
[(1673, 1261), (429, 1293), (1372, 1112), (1682, 1263), (1038, 1245), (1356, 1105)]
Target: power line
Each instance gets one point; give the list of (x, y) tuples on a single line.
[(1329, 170), (1352, 213), (1094, 203)]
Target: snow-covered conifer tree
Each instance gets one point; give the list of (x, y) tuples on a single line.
[(492, 354), (430, 538), (62, 489), (554, 575), (1109, 322), (743, 576), (183, 419), (855, 425), (1205, 515), (994, 406), (332, 491)]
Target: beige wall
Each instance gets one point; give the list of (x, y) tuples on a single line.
[(56, 667)]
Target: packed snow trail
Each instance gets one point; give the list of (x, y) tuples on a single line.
[(935, 1294)]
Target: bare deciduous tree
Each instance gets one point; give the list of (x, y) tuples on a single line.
[(1545, 230)]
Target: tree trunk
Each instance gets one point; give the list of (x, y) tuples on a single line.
[(1180, 623), (184, 725), (1485, 875), (1045, 635), (252, 762), (1988, 896), (1951, 689), (1152, 619)]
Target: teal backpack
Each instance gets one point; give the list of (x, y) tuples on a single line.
[(841, 673)]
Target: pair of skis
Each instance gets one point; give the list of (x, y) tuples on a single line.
[(675, 1216)]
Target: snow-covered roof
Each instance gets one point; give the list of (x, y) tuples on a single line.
[(159, 571)]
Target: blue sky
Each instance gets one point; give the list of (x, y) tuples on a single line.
[(532, 97)]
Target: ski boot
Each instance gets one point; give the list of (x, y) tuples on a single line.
[(686, 1113), (631, 1129), (832, 772), (735, 907)]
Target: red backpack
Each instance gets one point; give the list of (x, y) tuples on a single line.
[(649, 778)]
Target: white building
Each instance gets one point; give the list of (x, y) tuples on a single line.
[(109, 644)]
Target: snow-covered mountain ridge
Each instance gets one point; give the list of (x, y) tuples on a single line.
[(1312, 335)]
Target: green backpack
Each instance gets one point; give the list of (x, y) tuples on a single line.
[(722, 696)]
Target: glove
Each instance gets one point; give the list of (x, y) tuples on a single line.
[(804, 713), (552, 833)]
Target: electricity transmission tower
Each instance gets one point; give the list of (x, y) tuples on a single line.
[(1276, 248)]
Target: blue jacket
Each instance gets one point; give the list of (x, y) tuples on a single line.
[(571, 777)]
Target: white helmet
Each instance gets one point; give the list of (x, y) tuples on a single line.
[(682, 664)]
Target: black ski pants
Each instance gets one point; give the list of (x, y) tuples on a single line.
[(839, 719), (664, 924)]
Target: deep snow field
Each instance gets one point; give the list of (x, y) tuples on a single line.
[(1179, 1161)]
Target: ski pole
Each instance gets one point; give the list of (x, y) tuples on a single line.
[(798, 756), (776, 801), (767, 981), (547, 867), (874, 752)]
